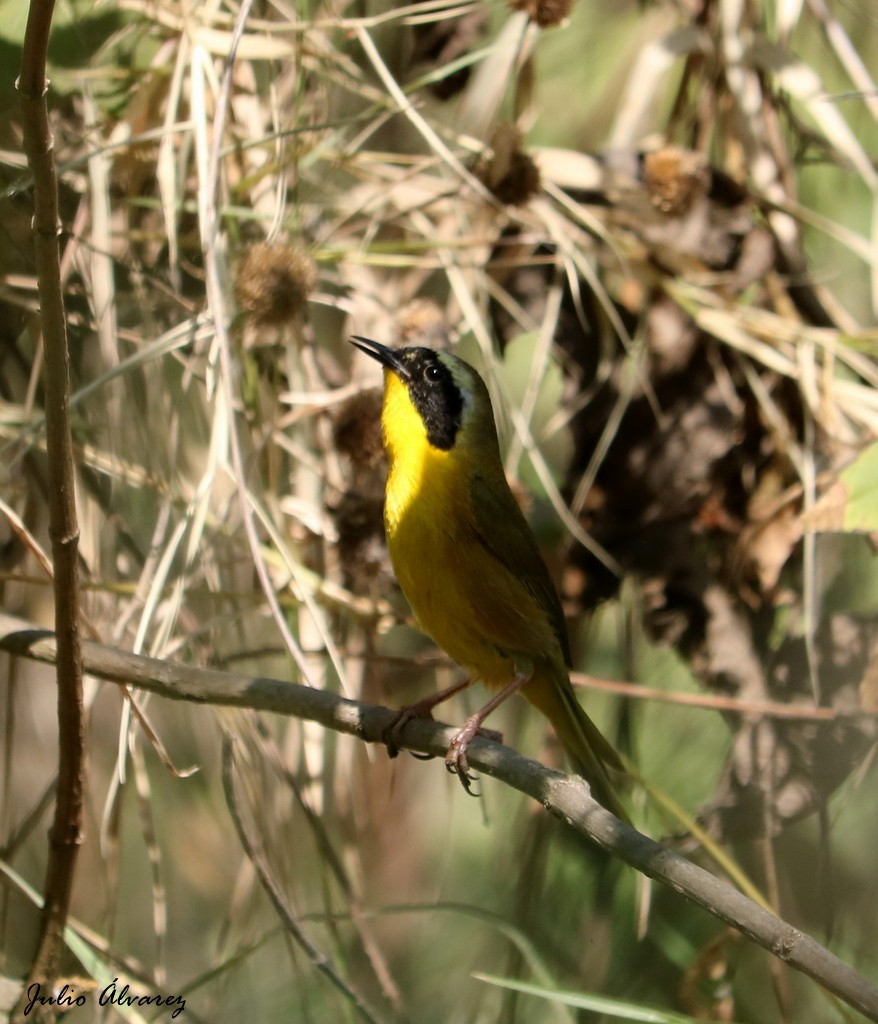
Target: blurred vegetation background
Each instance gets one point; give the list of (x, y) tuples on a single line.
[(652, 227)]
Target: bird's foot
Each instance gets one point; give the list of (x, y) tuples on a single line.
[(420, 709), (455, 758)]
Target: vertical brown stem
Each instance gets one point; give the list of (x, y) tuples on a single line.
[(65, 834)]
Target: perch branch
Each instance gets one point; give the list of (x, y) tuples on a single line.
[(566, 797)]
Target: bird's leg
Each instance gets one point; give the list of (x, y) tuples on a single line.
[(455, 759), (420, 709)]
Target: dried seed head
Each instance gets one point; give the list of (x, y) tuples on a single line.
[(273, 282), (359, 512), (359, 522), (674, 179), (511, 174), (544, 13), (357, 429)]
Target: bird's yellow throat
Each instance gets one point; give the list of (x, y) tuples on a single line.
[(412, 458)]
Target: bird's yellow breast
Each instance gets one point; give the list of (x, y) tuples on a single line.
[(473, 608)]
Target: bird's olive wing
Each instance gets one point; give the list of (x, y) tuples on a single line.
[(504, 532)]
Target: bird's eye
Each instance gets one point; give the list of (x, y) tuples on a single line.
[(433, 374)]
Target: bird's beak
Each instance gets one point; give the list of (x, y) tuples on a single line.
[(384, 355)]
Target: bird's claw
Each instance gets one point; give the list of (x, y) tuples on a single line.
[(456, 764), (455, 759), (392, 734)]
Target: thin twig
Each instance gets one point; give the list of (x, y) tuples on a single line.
[(252, 844), (716, 702), (566, 797), (65, 835)]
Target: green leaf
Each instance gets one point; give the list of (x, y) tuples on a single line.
[(554, 441), (587, 1001), (850, 505)]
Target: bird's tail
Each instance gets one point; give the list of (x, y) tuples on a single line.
[(591, 755)]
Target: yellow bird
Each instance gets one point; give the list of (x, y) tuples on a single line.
[(466, 559)]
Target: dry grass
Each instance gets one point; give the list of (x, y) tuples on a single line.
[(224, 523)]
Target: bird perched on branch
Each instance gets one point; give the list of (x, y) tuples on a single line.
[(467, 561)]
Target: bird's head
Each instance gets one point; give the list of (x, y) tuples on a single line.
[(432, 395)]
